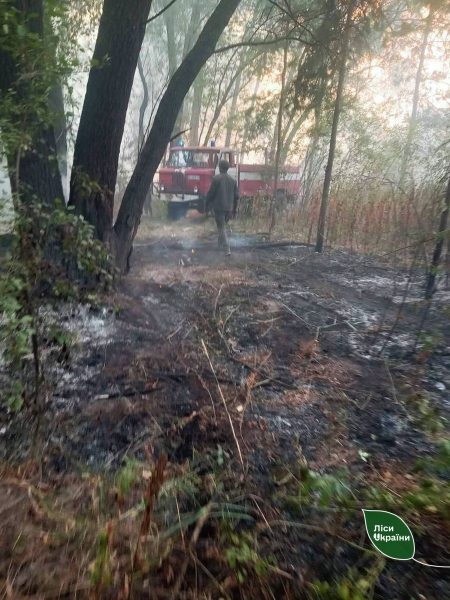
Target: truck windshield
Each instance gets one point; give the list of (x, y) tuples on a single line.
[(188, 158)]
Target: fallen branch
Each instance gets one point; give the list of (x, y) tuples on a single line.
[(127, 394)]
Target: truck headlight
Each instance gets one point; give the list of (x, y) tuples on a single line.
[(196, 189), (162, 187)]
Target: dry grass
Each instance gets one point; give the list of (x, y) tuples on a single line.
[(372, 221)]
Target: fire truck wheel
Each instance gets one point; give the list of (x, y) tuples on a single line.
[(176, 211)]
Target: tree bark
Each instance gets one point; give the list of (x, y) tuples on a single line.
[(436, 260), (38, 173), (334, 129), (416, 97), (133, 201), (97, 148)]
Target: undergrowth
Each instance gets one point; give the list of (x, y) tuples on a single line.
[(154, 525), (53, 259)]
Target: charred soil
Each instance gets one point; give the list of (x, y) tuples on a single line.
[(247, 372)]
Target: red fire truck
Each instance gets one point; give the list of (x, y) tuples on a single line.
[(186, 178)]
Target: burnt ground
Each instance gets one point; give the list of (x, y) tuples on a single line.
[(322, 356)]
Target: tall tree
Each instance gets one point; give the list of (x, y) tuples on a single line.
[(97, 148), (279, 137), (194, 21), (413, 118), (335, 125), (134, 198)]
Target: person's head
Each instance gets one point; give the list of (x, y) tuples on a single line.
[(224, 165)]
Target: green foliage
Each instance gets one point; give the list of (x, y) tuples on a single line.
[(242, 556), (101, 574), (31, 47), (323, 491), (354, 586), (54, 255), (425, 415), (130, 473)]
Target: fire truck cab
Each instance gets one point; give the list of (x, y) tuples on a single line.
[(185, 179)]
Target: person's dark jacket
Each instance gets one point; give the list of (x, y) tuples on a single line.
[(223, 194)]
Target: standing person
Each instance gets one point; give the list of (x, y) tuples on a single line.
[(223, 197)]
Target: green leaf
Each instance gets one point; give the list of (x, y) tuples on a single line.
[(389, 534)]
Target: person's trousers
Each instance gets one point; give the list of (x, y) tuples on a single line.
[(222, 218)]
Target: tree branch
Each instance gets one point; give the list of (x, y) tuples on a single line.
[(161, 12), (262, 43), (174, 137)]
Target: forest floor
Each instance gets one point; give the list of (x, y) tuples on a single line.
[(284, 388)]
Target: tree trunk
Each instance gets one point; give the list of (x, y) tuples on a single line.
[(35, 167), (279, 140), (413, 119), (250, 113), (60, 128), (133, 201), (237, 85), (436, 260), (310, 169), (274, 144), (233, 109), (221, 102), (334, 129), (196, 111), (97, 148), (144, 104), (289, 137), (173, 55)]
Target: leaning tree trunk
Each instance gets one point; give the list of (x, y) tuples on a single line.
[(334, 129), (97, 148), (34, 168), (133, 201), (436, 260)]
